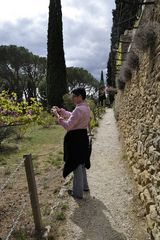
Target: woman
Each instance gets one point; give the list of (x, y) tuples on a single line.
[(76, 142)]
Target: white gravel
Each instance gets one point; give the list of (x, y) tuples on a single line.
[(112, 210)]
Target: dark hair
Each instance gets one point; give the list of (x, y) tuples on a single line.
[(79, 92)]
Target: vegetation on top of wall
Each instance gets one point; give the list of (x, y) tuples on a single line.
[(124, 17), (132, 60), (146, 36), (120, 84), (125, 73)]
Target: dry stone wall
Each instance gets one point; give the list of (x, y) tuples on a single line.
[(137, 110)]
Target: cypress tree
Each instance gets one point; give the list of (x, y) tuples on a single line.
[(56, 68), (102, 80)]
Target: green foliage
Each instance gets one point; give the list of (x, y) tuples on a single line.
[(43, 92), (45, 119), (60, 216), (93, 123), (18, 114), (56, 69), (3, 162), (20, 71), (76, 77), (13, 112), (6, 132), (96, 114), (79, 77), (64, 207), (20, 235), (101, 84), (67, 102), (124, 17), (20, 131), (55, 160), (91, 104)]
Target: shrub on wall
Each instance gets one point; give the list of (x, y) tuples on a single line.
[(125, 73), (120, 84), (132, 60), (146, 36)]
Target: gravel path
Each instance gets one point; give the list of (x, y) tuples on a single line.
[(111, 211)]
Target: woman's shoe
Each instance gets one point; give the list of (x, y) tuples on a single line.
[(86, 190), (70, 192)]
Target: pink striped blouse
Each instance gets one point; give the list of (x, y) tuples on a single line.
[(78, 119)]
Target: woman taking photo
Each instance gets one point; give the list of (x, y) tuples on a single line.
[(76, 141)]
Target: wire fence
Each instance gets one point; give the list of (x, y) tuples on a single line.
[(15, 222), (11, 176), (32, 189)]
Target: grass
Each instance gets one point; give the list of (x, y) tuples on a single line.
[(55, 160), (20, 235), (37, 141), (46, 147), (64, 207), (60, 216)]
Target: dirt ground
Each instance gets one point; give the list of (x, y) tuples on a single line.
[(111, 210), (49, 181)]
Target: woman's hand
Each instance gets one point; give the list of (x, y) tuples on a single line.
[(55, 110)]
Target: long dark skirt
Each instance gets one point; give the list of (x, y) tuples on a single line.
[(77, 150)]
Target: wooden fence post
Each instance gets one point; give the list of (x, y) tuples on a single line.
[(33, 192)]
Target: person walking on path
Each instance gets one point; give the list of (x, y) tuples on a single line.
[(76, 141)]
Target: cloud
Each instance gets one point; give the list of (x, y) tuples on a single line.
[(86, 32), (87, 35), (26, 32)]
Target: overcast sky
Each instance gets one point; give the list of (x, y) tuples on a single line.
[(86, 29)]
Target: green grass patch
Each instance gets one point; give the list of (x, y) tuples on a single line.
[(55, 160), (60, 216), (20, 235), (64, 207), (37, 141)]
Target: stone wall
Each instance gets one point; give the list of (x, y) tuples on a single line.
[(137, 110)]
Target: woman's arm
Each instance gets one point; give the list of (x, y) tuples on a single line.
[(61, 111), (64, 113), (72, 120)]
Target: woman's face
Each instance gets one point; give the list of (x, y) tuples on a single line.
[(76, 99)]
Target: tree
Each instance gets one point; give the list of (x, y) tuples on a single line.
[(56, 69), (76, 77), (109, 71), (101, 93), (35, 73), (12, 58), (15, 113), (79, 77), (102, 80), (21, 71)]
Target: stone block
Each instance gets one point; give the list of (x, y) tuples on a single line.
[(148, 199), (150, 222), (153, 212), (140, 148), (156, 143), (151, 149), (157, 77), (156, 232), (144, 178)]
